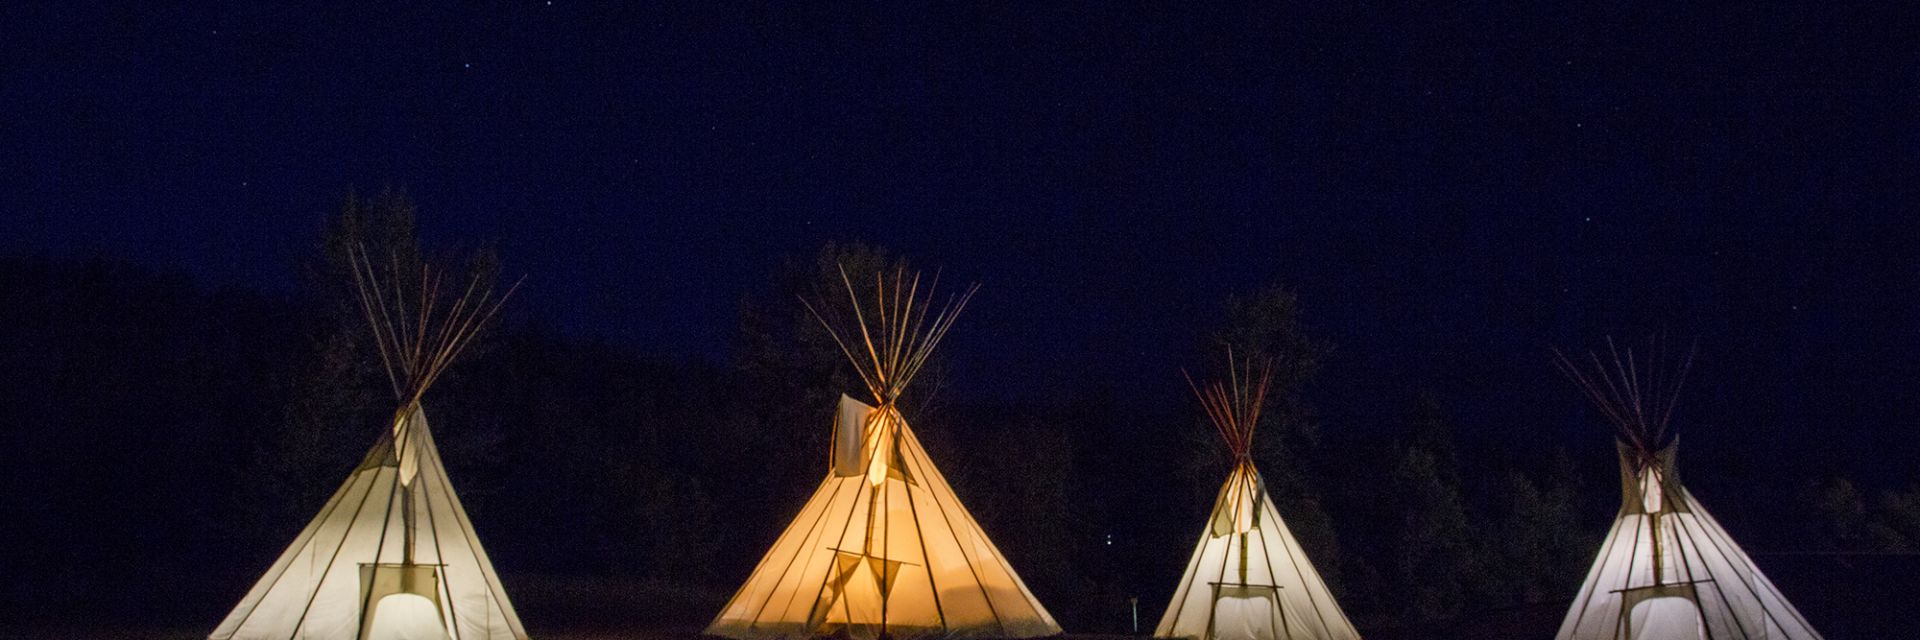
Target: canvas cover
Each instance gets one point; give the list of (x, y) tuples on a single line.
[(355, 555), (1248, 578), (883, 546), (1667, 570)]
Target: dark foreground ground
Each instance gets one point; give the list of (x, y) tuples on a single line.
[(1845, 597)]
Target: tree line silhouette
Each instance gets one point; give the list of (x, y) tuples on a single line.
[(167, 439)]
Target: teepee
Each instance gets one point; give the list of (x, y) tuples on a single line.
[(1667, 570), (1248, 578), (883, 549), (392, 555)]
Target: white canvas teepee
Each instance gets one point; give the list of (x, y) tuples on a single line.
[(392, 555), (1667, 570), (1248, 578), (884, 548)]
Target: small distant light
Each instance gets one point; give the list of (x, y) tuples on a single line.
[(468, 65)]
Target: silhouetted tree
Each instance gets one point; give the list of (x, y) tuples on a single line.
[(1847, 521), (1018, 478), (1537, 551), (1570, 543), (1896, 523), (1431, 430), (1842, 522), (1434, 559)]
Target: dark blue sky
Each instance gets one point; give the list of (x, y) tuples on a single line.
[(1451, 190)]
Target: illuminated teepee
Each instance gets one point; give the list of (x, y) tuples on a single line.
[(1666, 570), (391, 555), (884, 547), (1249, 578)]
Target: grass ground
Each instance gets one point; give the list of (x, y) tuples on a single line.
[(1864, 598)]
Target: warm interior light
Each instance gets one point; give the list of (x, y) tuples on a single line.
[(880, 444), (1244, 502), (1650, 493), (406, 448), (1239, 511)]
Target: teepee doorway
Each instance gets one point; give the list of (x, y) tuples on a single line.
[(403, 602), (1246, 612), (1665, 618)]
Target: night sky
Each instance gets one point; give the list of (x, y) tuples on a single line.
[(1451, 191)]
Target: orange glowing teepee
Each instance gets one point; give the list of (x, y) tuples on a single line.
[(883, 549)]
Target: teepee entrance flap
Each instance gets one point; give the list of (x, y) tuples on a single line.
[(849, 438)]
